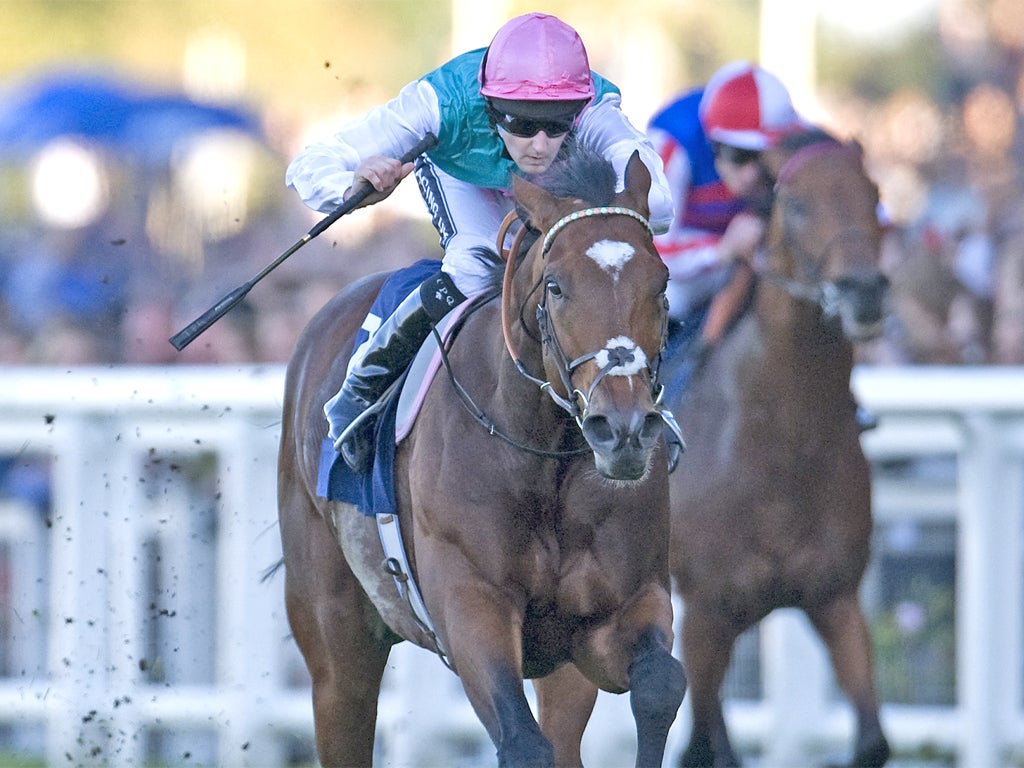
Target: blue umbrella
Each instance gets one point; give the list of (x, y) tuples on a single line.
[(157, 123), (110, 112)]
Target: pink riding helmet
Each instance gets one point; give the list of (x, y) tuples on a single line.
[(536, 57), (744, 106)]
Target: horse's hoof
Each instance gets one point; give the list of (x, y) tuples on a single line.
[(874, 756)]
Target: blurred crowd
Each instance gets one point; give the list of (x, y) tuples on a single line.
[(116, 289), (113, 289), (957, 277), (950, 169)]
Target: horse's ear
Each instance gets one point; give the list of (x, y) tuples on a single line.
[(638, 185), (540, 205)]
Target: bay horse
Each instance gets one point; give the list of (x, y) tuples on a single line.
[(771, 504), (541, 555)]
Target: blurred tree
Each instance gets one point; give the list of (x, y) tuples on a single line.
[(301, 56), (915, 61)]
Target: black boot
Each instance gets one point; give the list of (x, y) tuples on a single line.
[(388, 353)]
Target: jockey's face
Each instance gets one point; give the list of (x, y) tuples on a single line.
[(740, 171), (533, 154)]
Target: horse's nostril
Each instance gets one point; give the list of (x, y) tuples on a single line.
[(598, 430), (653, 424), (602, 432)]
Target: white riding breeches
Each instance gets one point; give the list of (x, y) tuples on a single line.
[(467, 218)]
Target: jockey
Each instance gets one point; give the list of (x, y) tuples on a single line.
[(508, 108), (710, 140)]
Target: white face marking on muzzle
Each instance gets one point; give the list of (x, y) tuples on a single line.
[(611, 255), (622, 347)]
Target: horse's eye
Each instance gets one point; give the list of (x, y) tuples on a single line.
[(554, 289)]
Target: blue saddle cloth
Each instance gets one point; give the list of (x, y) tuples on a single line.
[(374, 493)]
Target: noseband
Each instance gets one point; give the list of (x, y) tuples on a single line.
[(824, 293)]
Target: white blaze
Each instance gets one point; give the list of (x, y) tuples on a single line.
[(611, 255), (638, 363)]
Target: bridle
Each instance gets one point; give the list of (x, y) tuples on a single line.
[(808, 285), (577, 403)]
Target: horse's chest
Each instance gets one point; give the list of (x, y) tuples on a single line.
[(586, 586), (791, 559), (570, 574)]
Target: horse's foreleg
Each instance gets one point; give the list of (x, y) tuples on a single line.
[(656, 689), (565, 701), (707, 647), (844, 630), (634, 652), (484, 639), (345, 654)]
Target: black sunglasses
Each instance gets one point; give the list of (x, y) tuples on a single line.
[(527, 127), (735, 155)]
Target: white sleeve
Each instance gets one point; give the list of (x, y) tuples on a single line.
[(605, 128), (324, 170)]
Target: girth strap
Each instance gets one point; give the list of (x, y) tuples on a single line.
[(397, 564)]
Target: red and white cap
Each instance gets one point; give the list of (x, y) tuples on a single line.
[(747, 107), (536, 57)]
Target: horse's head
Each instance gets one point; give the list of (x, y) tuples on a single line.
[(596, 286), (824, 236)]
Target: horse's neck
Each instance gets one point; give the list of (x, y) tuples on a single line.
[(794, 340), (498, 383)]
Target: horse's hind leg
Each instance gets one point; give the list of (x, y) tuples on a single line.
[(844, 630), (332, 623), (707, 646), (565, 701)]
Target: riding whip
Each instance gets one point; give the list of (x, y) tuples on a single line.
[(188, 334)]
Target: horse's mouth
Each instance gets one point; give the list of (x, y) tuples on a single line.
[(862, 307), (623, 445), (622, 468), (859, 331)]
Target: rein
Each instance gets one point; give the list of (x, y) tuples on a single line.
[(510, 255), (470, 405)]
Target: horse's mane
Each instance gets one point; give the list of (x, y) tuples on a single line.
[(577, 172), (791, 142), (581, 172)]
